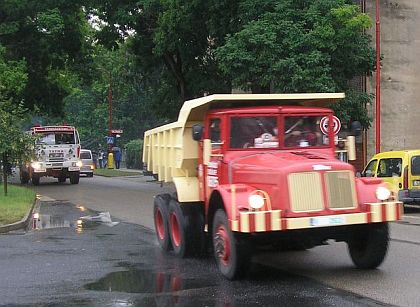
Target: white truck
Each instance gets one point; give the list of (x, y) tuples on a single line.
[(57, 154)]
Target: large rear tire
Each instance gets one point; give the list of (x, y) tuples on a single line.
[(368, 245), (232, 256), (186, 227), (161, 218)]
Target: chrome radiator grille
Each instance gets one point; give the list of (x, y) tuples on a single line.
[(306, 190)]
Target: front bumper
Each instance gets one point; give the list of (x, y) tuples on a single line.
[(265, 221), (409, 196), (45, 167)]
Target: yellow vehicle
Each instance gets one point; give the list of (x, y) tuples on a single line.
[(401, 170)]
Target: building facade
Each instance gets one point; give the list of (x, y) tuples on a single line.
[(400, 75)]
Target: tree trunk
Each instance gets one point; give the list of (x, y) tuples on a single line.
[(174, 64)]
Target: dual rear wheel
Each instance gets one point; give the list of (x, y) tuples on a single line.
[(179, 227)]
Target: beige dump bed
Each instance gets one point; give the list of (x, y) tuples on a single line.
[(170, 151)]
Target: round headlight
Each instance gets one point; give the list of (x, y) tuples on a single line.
[(36, 165), (382, 193), (256, 201)]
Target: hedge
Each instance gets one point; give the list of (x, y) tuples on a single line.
[(134, 152)]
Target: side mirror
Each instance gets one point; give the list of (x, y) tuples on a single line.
[(356, 128), (197, 132)]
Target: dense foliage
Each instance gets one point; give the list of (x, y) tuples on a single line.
[(154, 54), (134, 151), (14, 143), (53, 39)]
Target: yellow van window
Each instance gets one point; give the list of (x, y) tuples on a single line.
[(389, 167), (370, 169), (415, 165)]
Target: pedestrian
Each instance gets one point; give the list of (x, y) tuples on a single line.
[(101, 159), (117, 157)]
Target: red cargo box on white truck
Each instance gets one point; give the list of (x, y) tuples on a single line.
[(248, 174), (57, 153)]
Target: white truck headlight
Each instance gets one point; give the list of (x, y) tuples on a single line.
[(79, 163), (383, 193), (36, 165), (256, 201)]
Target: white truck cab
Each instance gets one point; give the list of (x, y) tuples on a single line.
[(57, 154)]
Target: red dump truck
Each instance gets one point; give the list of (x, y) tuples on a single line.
[(258, 171)]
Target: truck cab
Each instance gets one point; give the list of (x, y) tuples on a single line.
[(57, 154), (260, 147)]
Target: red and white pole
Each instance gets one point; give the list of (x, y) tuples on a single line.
[(378, 79)]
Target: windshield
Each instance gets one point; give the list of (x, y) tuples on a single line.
[(85, 155), (253, 132), (263, 132), (304, 131), (56, 138)]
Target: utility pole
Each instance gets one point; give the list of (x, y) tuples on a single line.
[(110, 112), (378, 80), (110, 145)]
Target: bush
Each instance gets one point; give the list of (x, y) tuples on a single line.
[(134, 152)]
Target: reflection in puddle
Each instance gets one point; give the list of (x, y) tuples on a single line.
[(47, 221), (137, 281)]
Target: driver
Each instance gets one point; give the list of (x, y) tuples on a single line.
[(301, 133)]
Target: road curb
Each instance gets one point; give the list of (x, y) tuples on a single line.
[(22, 223)]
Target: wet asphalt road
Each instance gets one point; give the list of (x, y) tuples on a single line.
[(69, 261)]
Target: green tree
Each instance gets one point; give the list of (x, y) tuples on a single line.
[(52, 37), (302, 46), (172, 45), (132, 110), (14, 143)]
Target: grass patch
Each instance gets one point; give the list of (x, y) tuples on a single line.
[(16, 204), (114, 172)]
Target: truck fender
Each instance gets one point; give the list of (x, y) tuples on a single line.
[(230, 197), (366, 189)]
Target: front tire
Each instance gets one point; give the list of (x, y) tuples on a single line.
[(368, 245), (74, 178), (232, 257), (35, 179), (24, 177), (161, 219)]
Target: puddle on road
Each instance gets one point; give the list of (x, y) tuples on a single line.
[(138, 281), (71, 220)]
